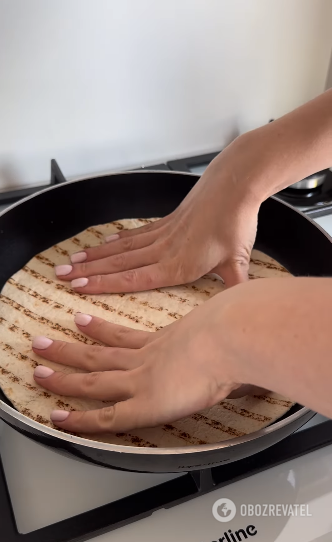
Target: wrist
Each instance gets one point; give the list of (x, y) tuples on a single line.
[(258, 166), (247, 331)]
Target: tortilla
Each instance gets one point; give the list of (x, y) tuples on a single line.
[(33, 302)]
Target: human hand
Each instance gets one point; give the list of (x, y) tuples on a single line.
[(233, 338), (213, 230), (154, 378)]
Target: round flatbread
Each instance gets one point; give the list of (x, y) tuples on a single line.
[(34, 302)]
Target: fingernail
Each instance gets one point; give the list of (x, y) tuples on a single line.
[(43, 372), (112, 237), (61, 270), (78, 257), (41, 342), (79, 283), (82, 319), (59, 415)]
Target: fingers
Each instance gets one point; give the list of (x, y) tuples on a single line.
[(152, 226), (232, 273), (86, 357), (121, 417), (105, 386), (117, 246), (112, 334), (112, 264), (133, 280)]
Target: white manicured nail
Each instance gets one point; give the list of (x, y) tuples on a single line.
[(43, 372), (78, 257), (59, 415), (112, 237), (61, 270), (41, 342), (79, 283), (82, 319)]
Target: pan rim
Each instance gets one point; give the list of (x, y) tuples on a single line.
[(148, 172), (303, 411), (86, 178), (145, 450)]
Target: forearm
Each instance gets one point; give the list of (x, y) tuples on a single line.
[(279, 333), (286, 150)]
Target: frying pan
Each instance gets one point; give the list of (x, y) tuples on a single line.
[(61, 211)]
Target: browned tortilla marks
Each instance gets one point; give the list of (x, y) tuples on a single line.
[(182, 434), (61, 250), (147, 304), (96, 233), (41, 394), (118, 225), (135, 440), (205, 277), (175, 315), (10, 375), (14, 328), (43, 320), (63, 405), (196, 289), (44, 260), (16, 379), (38, 418), (172, 296), (269, 265), (273, 401), (36, 295), (76, 242), (245, 413), (37, 275), (218, 425), (89, 299), (64, 288), (145, 220), (137, 320), (16, 354)]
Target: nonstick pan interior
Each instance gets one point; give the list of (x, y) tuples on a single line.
[(62, 211)]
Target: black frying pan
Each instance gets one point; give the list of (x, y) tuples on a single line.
[(61, 211)]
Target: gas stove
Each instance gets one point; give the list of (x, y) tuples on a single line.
[(49, 497)]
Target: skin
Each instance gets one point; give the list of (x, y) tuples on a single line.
[(260, 333)]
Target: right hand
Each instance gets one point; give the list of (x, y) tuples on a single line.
[(213, 230), (154, 378)]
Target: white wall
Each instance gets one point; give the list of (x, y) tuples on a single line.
[(100, 84)]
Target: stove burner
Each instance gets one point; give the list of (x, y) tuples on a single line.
[(311, 182), (303, 193), (179, 490), (314, 202)]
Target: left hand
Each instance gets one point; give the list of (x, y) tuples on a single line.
[(154, 378), (212, 230)]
